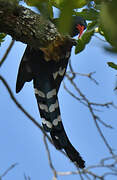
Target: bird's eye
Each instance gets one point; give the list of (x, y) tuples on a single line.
[(80, 29)]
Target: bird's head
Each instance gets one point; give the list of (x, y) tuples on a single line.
[(78, 26)]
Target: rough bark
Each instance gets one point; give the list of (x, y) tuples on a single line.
[(28, 27)]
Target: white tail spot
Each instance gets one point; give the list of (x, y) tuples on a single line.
[(51, 93), (61, 71), (43, 107), (53, 106), (56, 137), (55, 75), (47, 123), (40, 93), (68, 54), (56, 121)]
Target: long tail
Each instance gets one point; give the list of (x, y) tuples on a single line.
[(61, 141), (47, 101), (51, 120), (47, 78)]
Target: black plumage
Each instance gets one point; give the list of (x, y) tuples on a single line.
[(47, 77)]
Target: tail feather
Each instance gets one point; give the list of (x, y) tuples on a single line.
[(61, 141), (50, 113), (47, 101), (74, 155)]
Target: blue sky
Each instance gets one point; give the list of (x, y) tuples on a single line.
[(22, 142)]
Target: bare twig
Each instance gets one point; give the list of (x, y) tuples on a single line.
[(108, 159), (107, 105), (9, 169), (49, 158), (89, 75), (7, 52), (100, 132), (73, 95), (26, 177), (22, 109), (71, 69), (104, 124), (76, 173), (100, 38), (80, 174), (95, 117)]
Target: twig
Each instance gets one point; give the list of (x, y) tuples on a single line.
[(95, 118), (107, 105), (73, 95), (7, 52), (49, 158), (22, 109), (76, 172), (26, 177), (87, 176), (100, 38), (9, 169), (80, 174), (104, 124), (71, 69), (100, 132), (109, 158), (89, 75), (81, 100), (109, 173)]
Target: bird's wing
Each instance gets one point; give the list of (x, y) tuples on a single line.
[(24, 72)]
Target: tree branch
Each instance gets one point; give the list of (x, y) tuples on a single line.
[(25, 25), (29, 27)]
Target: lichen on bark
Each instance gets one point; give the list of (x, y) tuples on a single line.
[(31, 28)]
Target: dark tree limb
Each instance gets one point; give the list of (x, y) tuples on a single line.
[(29, 27), (25, 25)]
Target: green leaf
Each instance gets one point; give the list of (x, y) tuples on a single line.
[(88, 14), (108, 22), (33, 2), (65, 17), (112, 65), (92, 25), (111, 49), (98, 1), (75, 3), (79, 3), (83, 41)]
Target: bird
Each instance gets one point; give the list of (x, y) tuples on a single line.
[(47, 77)]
